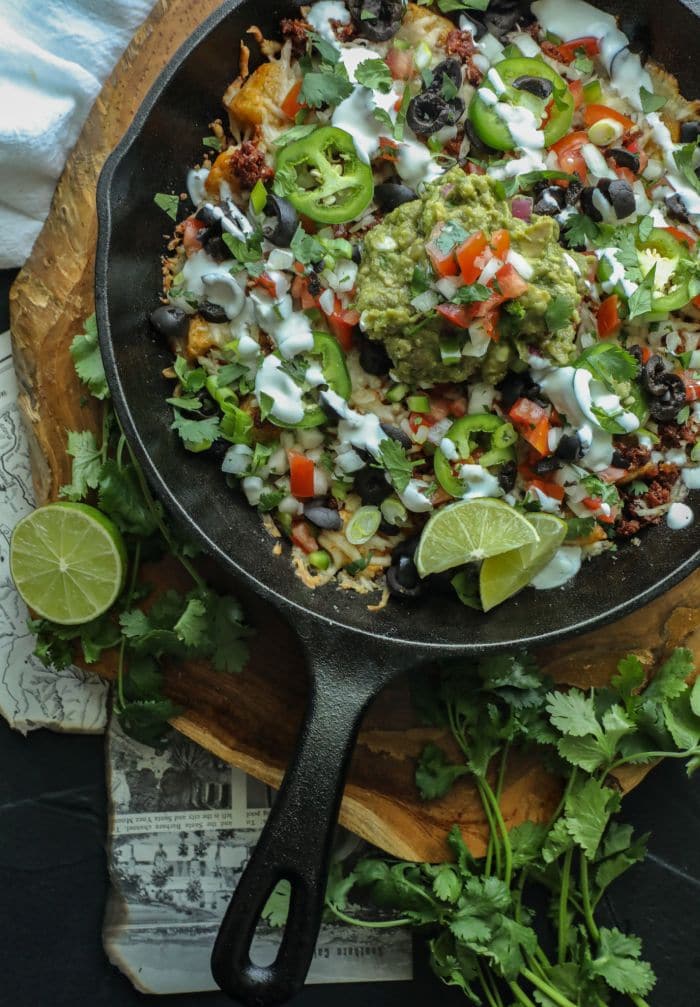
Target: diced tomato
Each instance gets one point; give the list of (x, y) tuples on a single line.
[(607, 518), (592, 113), (568, 151), (681, 236), (646, 354), (444, 263), (301, 475), (533, 425), (550, 489), (467, 255), (696, 302), (555, 419), (568, 51), (510, 282), (692, 386), (458, 407), (191, 230), (416, 420), (608, 316), (576, 88), (500, 242), (267, 283), (291, 104), (388, 149), (457, 314), (342, 324), (490, 322), (592, 503), (400, 63), (301, 536), (300, 292)]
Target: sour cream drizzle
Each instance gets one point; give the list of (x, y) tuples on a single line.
[(285, 393), (563, 567)]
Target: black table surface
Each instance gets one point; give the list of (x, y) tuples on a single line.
[(53, 882)]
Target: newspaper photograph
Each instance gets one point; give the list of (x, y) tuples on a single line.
[(183, 827)]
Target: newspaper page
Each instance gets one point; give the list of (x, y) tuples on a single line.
[(183, 826), (31, 695)]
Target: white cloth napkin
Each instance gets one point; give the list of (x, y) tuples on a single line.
[(54, 57)]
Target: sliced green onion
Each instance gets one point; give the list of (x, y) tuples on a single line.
[(397, 393), (258, 197), (320, 559), (418, 403), (592, 92), (695, 453), (605, 131), (394, 512), (450, 349), (225, 397), (423, 55), (285, 522), (363, 525)]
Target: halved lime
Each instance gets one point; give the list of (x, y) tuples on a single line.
[(471, 530), (68, 562), (504, 575)]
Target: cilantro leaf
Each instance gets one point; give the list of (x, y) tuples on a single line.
[(583, 63), (87, 360), (326, 50), (421, 281), (650, 102), (87, 463), (579, 527), (146, 720), (609, 363), (578, 228), (618, 963), (685, 162), (323, 87), (121, 498), (472, 292), (375, 74), (276, 909), (212, 142), (645, 227), (573, 713), (448, 88), (306, 247), (558, 314), (448, 6), (434, 774), (446, 883), (588, 809), (397, 463), (168, 202), (192, 379), (669, 681), (196, 435), (451, 235)]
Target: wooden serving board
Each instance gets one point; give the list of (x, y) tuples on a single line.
[(251, 720)]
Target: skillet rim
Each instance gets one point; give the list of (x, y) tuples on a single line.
[(121, 406)]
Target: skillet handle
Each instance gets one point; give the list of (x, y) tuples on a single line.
[(296, 842)]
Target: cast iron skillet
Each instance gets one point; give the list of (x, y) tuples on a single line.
[(352, 653)]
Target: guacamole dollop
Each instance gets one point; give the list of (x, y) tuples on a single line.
[(395, 247)]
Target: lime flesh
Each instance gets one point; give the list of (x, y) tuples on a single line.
[(471, 530), (504, 575), (68, 562)]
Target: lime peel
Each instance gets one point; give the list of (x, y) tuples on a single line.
[(505, 574)]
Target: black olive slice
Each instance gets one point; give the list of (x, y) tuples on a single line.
[(569, 448), (377, 20), (539, 86), (212, 312), (620, 195), (428, 112), (690, 131), (389, 195), (450, 68), (170, 322), (624, 158), (677, 209), (319, 514), (402, 579), (397, 434), (281, 221)]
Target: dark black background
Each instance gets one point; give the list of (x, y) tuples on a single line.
[(53, 882)]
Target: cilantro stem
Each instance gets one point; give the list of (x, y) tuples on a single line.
[(104, 446), (135, 567), (373, 924), (520, 995), (162, 526), (586, 893), (490, 992), (562, 926), (120, 450), (507, 849), (547, 989), (494, 844), (633, 760)]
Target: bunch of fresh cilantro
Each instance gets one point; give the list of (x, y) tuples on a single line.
[(198, 624), (483, 918)]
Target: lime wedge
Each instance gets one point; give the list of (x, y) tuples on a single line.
[(504, 575), (68, 562), (471, 530)]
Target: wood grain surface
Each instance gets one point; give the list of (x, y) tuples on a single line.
[(251, 720)]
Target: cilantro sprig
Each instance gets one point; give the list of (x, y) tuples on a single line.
[(482, 925), (198, 623)]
